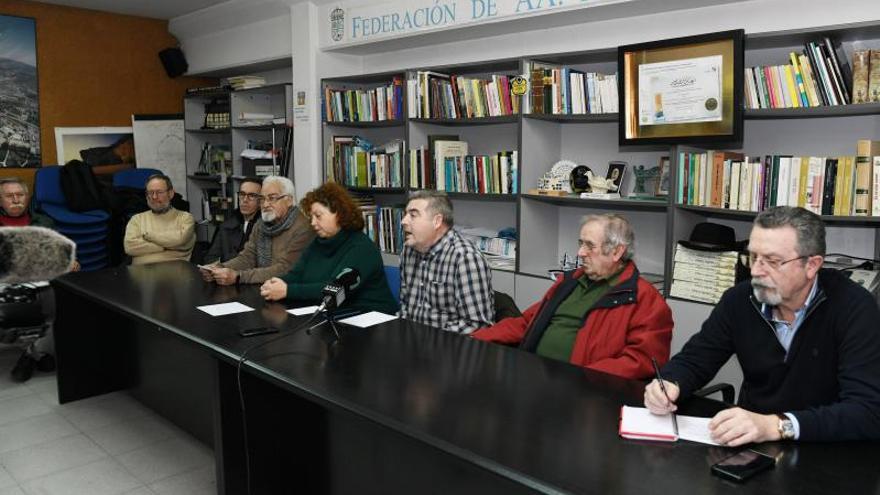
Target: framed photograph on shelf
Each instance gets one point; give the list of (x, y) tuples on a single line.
[(663, 181), (683, 90), (616, 171)]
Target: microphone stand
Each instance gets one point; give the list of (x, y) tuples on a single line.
[(329, 318)]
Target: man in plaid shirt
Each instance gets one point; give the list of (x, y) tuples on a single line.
[(445, 281)]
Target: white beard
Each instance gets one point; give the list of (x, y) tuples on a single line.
[(766, 294), (268, 216)]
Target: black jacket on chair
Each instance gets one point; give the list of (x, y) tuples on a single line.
[(830, 379)]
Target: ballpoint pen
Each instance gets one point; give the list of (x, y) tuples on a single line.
[(663, 388)]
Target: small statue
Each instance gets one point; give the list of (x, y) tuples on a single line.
[(599, 185)]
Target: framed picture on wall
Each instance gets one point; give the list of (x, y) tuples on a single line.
[(95, 145), (683, 90), (19, 98)]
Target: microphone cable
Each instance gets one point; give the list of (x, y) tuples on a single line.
[(241, 361)]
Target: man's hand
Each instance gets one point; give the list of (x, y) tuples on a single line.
[(736, 426), (655, 399), (76, 266), (224, 276), (273, 289), (207, 272)]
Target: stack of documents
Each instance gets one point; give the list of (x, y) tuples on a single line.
[(702, 275), (246, 82)]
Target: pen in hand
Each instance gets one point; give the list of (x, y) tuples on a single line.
[(663, 388)]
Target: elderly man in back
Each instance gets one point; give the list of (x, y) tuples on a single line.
[(276, 243), (603, 315), (163, 233)]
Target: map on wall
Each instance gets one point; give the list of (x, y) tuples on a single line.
[(19, 98), (159, 144)]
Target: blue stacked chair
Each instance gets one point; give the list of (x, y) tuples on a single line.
[(87, 229), (134, 178), (392, 273)]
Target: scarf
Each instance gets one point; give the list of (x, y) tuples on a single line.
[(270, 230)]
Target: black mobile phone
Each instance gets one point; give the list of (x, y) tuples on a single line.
[(743, 465), (253, 332)]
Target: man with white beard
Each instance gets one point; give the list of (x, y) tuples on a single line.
[(807, 339), (276, 243)]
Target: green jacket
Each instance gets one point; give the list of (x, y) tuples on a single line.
[(324, 259)]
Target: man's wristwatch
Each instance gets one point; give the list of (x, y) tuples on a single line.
[(786, 427)]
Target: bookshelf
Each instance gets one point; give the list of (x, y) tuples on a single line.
[(547, 225), (252, 115)]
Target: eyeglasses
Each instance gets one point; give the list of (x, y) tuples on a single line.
[(751, 259), (273, 198), (249, 196), (154, 194), (588, 245), (17, 195)]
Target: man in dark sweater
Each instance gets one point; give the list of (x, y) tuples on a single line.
[(807, 340)]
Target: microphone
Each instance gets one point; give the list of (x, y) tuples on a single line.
[(335, 292), (29, 254)]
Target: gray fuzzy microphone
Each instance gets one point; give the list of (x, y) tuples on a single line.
[(30, 254)]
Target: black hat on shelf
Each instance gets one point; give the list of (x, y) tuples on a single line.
[(708, 236)]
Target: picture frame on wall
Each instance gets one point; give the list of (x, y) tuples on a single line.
[(95, 145), (20, 99), (682, 91)]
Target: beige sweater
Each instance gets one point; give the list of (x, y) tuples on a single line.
[(151, 238), (286, 250)]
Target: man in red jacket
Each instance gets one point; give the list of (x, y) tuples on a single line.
[(603, 315)]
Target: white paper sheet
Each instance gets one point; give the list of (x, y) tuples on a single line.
[(307, 310), (368, 319), (225, 308), (640, 423)]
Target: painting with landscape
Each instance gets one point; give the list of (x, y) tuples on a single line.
[(19, 98)]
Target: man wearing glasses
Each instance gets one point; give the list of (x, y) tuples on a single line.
[(603, 315), (163, 233), (276, 243), (234, 232), (807, 339)]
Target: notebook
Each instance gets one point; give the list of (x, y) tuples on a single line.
[(637, 423)]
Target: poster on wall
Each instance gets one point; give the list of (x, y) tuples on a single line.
[(95, 145), (19, 97)]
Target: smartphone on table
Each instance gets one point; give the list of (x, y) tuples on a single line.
[(743, 465), (253, 332)]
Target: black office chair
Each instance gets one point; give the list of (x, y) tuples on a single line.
[(505, 307), (25, 318), (728, 392)]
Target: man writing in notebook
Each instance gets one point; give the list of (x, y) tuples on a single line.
[(602, 316), (806, 337)]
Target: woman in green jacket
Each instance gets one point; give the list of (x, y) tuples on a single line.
[(340, 244)]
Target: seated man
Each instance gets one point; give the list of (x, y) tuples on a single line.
[(234, 232), (445, 281), (275, 244), (806, 338), (603, 315), (162, 234), (14, 212)]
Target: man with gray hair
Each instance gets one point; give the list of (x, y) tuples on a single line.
[(603, 315), (276, 242), (445, 281), (163, 233), (806, 337)]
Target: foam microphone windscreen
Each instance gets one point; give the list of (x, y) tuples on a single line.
[(29, 254)]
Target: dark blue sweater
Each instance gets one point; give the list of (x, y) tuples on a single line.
[(831, 378)]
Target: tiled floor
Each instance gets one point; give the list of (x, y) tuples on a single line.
[(105, 445)]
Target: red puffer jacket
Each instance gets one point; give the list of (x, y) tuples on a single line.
[(621, 333)]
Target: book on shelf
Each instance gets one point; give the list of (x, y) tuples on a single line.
[(874, 76), (489, 242), (702, 275), (246, 82), (562, 90), (375, 104), (434, 95), (453, 169), (381, 223), (353, 165), (818, 76), (834, 185)]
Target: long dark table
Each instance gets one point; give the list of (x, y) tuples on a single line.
[(396, 408)]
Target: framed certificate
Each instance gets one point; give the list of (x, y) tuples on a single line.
[(684, 90)]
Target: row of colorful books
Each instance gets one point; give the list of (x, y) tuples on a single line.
[(461, 172), (433, 95), (561, 90), (354, 165), (364, 105), (842, 185), (819, 76), (381, 223)]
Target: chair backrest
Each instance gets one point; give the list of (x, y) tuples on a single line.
[(47, 186), (392, 273), (134, 178), (505, 307)]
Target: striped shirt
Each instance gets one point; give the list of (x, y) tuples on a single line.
[(449, 287)]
